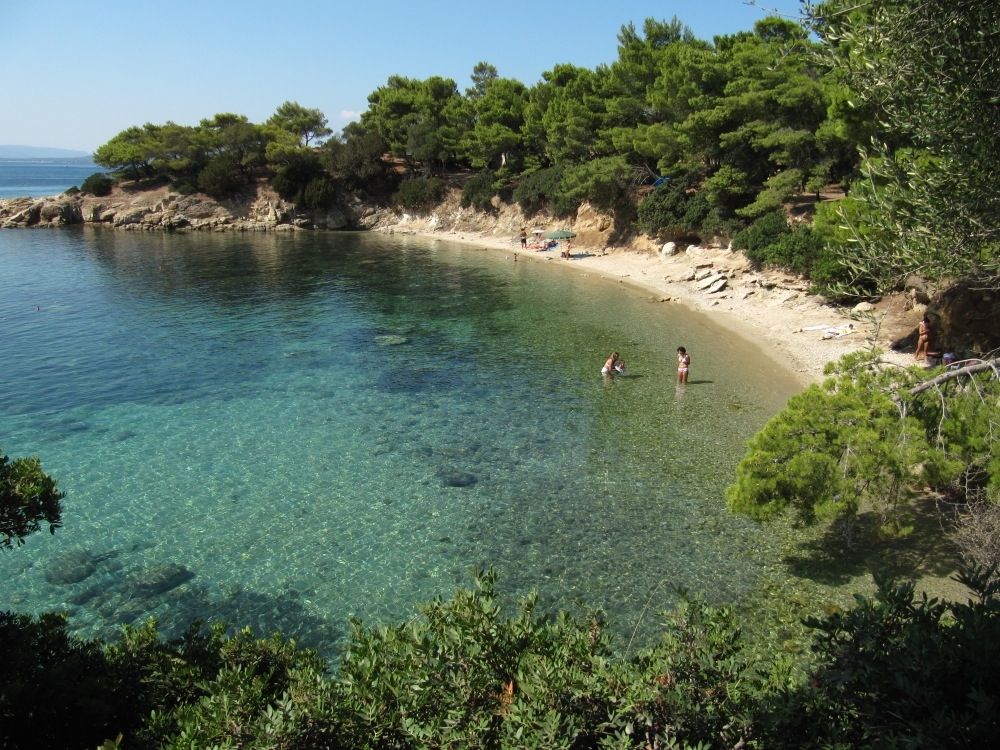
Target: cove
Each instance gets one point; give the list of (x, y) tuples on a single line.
[(289, 430)]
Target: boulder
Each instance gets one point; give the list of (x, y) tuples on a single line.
[(71, 567), (710, 281), (669, 248), (718, 285), (864, 307), (704, 273)]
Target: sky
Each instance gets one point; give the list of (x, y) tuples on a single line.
[(78, 73)]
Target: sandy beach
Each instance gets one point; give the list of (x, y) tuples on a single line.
[(772, 309)]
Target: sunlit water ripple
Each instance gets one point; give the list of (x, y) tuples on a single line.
[(286, 431)]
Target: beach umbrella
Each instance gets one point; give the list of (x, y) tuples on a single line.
[(560, 234)]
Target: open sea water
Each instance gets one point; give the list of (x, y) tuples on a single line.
[(40, 177), (290, 430)]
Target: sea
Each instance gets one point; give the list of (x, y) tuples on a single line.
[(41, 177), (288, 431)]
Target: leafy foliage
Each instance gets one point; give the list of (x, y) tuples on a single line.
[(673, 209), (418, 193), (891, 672), (538, 189), (28, 498), (98, 184), (478, 191), (875, 436), (756, 240), (926, 73), (303, 123), (895, 672)]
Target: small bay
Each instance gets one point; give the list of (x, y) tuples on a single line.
[(289, 430)]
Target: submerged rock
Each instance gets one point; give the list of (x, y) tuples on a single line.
[(71, 567), (457, 479), (157, 580)]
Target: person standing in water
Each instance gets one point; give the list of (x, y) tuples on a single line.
[(683, 363), (613, 365)]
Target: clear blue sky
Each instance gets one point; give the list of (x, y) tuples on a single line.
[(76, 73)]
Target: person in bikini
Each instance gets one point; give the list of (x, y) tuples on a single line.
[(613, 365), (683, 363)]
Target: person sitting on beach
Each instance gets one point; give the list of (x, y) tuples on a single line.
[(613, 365)]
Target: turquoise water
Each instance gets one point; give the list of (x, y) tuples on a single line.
[(296, 429)]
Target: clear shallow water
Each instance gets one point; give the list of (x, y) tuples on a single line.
[(42, 177), (287, 416)]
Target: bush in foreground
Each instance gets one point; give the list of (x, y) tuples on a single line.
[(893, 672)]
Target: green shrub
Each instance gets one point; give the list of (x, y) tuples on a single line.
[(319, 193), (478, 192), (29, 499), (98, 184), (538, 189), (797, 250), (418, 193), (671, 210), (222, 177), (604, 182), (757, 238), (902, 672), (292, 178)]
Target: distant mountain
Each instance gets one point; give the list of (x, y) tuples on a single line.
[(40, 152)]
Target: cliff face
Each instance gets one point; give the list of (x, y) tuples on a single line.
[(160, 208), (593, 228)]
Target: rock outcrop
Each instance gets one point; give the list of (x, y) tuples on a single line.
[(159, 208)]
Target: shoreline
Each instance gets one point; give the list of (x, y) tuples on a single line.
[(772, 310)]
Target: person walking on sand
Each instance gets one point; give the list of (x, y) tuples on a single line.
[(923, 339), (683, 363)]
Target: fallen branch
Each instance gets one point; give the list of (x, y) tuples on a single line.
[(987, 364)]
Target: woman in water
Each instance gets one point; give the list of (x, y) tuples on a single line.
[(613, 365), (683, 363)]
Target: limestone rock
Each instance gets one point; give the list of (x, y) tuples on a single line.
[(708, 282), (718, 285), (669, 248), (864, 307), (704, 273)]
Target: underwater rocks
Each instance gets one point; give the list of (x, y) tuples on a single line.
[(71, 567), (457, 478), (156, 580)]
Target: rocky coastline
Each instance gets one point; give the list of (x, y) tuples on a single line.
[(776, 309), (157, 208)]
